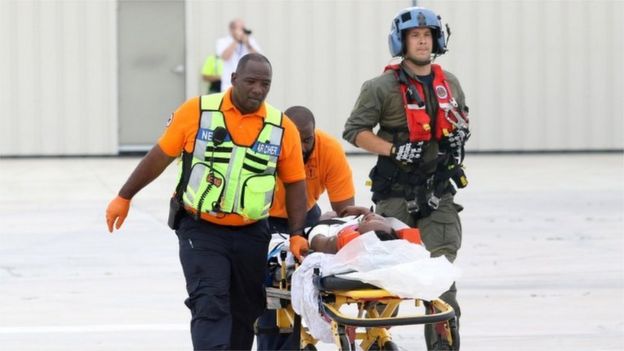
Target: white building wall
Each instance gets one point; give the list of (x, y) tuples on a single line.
[(321, 51), (58, 85), (538, 75)]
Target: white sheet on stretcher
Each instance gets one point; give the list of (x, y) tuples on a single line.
[(400, 267)]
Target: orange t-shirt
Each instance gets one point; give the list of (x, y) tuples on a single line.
[(327, 168), (244, 129)]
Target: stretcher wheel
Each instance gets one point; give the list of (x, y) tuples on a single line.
[(345, 343), (390, 346), (454, 333)]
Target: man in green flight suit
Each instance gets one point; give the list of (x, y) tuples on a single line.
[(423, 125)]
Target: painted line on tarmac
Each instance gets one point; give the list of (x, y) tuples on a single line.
[(103, 328)]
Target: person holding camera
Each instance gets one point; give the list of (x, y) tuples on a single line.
[(234, 46)]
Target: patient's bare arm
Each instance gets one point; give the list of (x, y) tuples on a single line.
[(324, 244), (354, 211), (328, 215)]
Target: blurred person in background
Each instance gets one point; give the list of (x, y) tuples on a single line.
[(211, 73), (232, 47)]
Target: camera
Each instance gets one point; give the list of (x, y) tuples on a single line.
[(247, 31)]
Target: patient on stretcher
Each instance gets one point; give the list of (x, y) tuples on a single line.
[(363, 246), (331, 235)]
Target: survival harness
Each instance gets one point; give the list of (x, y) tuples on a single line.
[(423, 191), (448, 117)]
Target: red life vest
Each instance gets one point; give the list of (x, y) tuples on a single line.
[(418, 121)]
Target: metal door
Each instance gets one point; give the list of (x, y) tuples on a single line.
[(151, 68)]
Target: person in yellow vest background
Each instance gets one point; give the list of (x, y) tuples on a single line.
[(211, 73), (234, 147), (326, 168)]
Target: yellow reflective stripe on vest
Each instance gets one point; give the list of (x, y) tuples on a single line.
[(257, 190), (234, 178), (211, 102), (203, 182), (208, 105)]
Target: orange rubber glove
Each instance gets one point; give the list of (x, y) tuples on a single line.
[(117, 211), (298, 246)]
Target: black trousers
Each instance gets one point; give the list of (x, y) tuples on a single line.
[(269, 337), (224, 269)]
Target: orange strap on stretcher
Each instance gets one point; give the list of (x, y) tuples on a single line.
[(349, 233)]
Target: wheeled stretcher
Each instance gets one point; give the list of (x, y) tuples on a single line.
[(369, 326)]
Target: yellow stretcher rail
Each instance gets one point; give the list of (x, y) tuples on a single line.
[(445, 313)]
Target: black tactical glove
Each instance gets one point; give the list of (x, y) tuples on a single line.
[(455, 140), (454, 143), (408, 152)]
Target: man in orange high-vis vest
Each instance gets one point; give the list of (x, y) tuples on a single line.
[(223, 242)]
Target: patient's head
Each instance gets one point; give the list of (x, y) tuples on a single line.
[(373, 222), (369, 222), (376, 223)]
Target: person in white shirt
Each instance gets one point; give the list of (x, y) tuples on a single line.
[(234, 46)]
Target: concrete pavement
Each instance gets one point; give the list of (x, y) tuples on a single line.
[(542, 256)]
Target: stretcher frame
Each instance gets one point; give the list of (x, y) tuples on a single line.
[(377, 312)]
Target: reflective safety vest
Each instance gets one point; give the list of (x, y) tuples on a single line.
[(213, 66), (418, 121), (229, 178)]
